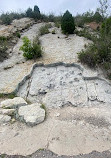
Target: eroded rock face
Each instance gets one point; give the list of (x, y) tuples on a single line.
[(32, 114), (13, 103), (17, 25)]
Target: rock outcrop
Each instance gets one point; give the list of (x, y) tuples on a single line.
[(17, 25)]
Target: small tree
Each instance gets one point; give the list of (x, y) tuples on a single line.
[(6, 19), (29, 12), (31, 50), (67, 23), (36, 13), (36, 9), (97, 17)]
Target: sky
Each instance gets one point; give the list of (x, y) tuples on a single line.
[(50, 6)]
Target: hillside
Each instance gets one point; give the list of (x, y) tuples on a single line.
[(75, 119)]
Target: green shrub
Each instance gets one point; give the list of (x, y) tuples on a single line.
[(107, 65), (106, 27), (3, 38), (9, 17), (31, 50), (44, 29), (67, 23), (99, 53), (6, 19), (35, 13), (3, 45), (85, 33), (29, 12), (10, 95), (89, 56), (18, 34)]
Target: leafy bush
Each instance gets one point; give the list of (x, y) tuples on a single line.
[(10, 95), (106, 27), (18, 34), (3, 47), (29, 12), (85, 33), (97, 17), (100, 51), (89, 56), (9, 17), (45, 29), (67, 23), (88, 17), (3, 38), (35, 13), (31, 50), (6, 19)]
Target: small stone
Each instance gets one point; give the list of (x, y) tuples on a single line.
[(57, 115)]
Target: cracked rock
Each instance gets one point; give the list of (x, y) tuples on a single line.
[(32, 114)]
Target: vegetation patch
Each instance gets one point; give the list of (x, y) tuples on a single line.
[(44, 29), (32, 50), (85, 33), (99, 53), (10, 95), (18, 34)]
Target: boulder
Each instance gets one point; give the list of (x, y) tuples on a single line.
[(4, 119), (13, 103), (32, 114)]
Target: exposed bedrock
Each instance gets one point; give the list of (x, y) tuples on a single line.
[(60, 84)]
